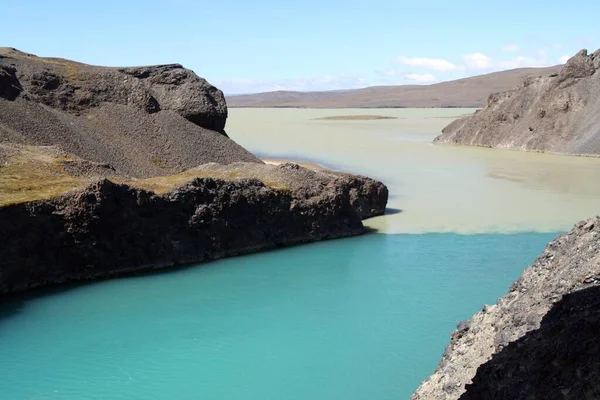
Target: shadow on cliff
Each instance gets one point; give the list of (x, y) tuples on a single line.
[(376, 291), (392, 211), (560, 360), (407, 260), (16, 303)]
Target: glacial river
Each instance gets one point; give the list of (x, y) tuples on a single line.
[(359, 318)]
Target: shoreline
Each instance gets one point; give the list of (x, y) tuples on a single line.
[(306, 164)]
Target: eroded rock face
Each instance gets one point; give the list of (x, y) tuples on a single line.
[(10, 87), (109, 229), (556, 113), (176, 88), (523, 318), (75, 87)]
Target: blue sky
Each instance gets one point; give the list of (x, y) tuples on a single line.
[(260, 45)]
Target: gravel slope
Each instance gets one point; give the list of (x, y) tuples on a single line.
[(143, 121)]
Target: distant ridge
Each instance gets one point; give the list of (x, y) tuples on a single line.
[(467, 92)]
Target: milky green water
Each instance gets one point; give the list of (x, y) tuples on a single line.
[(440, 188), (358, 318)]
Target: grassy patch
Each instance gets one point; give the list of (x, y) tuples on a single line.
[(33, 176), (37, 173), (163, 184), (159, 162)]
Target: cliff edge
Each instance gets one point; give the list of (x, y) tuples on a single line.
[(106, 228), (555, 113), (106, 171)]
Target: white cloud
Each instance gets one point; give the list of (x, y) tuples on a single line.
[(511, 48), (564, 59), (477, 61), (540, 60), (242, 81), (415, 70), (420, 78), (434, 64), (387, 72), (246, 85)]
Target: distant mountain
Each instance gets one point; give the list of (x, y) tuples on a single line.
[(467, 92)]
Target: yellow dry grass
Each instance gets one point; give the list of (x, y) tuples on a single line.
[(35, 173), (71, 68), (32, 175), (163, 184)]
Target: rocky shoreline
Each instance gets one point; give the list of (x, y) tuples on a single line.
[(106, 171), (539, 341), (531, 343), (109, 229)]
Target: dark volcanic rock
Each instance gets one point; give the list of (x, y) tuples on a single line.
[(109, 229), (75, 87), (558, 361), (173, 87), (145, 121), (10, 87), (529, 327), (557, 113)]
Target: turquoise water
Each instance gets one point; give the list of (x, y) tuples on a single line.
[(360, 318), (353, 319)]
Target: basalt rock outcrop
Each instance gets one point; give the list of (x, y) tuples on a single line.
[(143, 121), (108, 229), (107, 171), (555, 113), (539, 341)]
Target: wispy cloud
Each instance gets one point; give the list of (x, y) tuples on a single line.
[(389, 73), (480, 62), (564, 59), (420, 78), (477, 61), (247, 85), (511, 48), (407, 70), (541, 59), (433, 64)]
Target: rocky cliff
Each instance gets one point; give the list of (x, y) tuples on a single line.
[(555, 113), (539, 340), (107, 229), (106, 171), (143, 121)]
